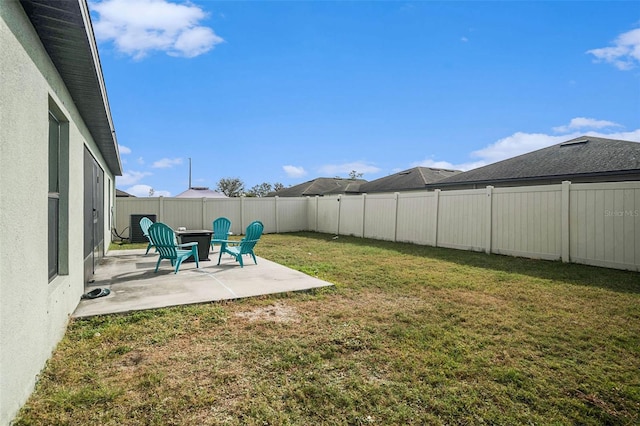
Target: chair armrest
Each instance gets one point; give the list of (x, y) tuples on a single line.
[(187, 244)]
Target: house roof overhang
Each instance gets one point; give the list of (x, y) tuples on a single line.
[(65, 29)]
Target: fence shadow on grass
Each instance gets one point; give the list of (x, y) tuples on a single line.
[(570, 273)]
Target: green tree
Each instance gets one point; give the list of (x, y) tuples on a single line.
[(231, 187), (355, 175), (260, 190), (278, 186)]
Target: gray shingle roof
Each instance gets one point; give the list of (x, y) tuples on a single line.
[(407, 180), (200, 192), (121, 193), (580, 157), (320, 186)]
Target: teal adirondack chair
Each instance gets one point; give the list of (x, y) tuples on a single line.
[(164, 240), (221, 228), (245, 246), (145, 223)]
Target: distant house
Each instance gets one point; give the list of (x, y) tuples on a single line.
[(407, 180), (200, 192), (120, 193), (580, 160), (58, 142), (320, 186)]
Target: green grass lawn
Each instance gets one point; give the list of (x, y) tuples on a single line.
[(409, 335)]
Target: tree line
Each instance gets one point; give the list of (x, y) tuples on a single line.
[(234, 187)]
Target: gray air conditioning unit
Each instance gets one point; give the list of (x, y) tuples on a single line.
[(135, 233)]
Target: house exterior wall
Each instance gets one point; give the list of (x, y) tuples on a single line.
[(33, 311)]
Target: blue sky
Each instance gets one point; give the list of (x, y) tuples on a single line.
[(283, 91)]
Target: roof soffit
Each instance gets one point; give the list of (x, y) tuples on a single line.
[(64, 27)]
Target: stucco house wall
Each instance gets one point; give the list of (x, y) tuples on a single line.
[(33, 311)]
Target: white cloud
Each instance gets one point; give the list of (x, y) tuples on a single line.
[(138, 27), (167, 163), (123, 149), (464, 39), (129, 178), (346, 168), (294, 171), (194, 42), (517, 144), (140, 160), (520, 143), (625, 52), (144, 191), (585, 123), (447, 165)]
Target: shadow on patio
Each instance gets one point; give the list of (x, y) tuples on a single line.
[(134, 286)]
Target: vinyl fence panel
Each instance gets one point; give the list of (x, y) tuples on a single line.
[(595, 224), (262, 209), (328, 214), (462, 219), (312, 213), (416, 218), (352, 215), (526, 221), (291, 214), (183, 212), (380, 216), (224, 207), (605, 224)]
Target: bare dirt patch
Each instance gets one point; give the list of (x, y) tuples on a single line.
[(278, 312)]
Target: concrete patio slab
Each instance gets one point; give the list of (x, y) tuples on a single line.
[(134, 286)]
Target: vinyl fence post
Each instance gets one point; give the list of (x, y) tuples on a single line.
[(489, 219), (436, 208), (364, 212), (204, 212), (275, 206), (566, 188), (339, 211), (241, 214), (395, 216)]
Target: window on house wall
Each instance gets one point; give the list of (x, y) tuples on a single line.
[(54, 195), (58, 203)]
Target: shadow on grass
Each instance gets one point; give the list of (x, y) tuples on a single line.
[(570, 273)]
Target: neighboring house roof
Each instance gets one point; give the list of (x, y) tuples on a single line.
[(120, 193), (320, 186), (408, 180), (200, 192), (64, 27), (585, 158)]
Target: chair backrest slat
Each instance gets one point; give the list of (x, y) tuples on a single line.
[(164, 238), (221, 228), (252, 235), (145, 223)]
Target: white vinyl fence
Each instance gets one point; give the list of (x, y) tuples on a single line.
[(595, 224)]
